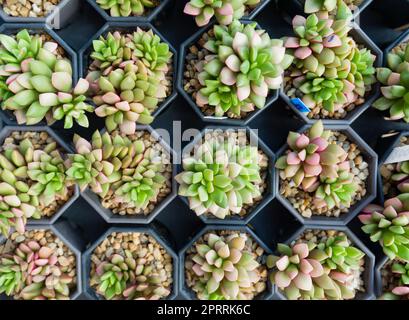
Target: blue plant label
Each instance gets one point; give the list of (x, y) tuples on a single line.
[(300, 105)]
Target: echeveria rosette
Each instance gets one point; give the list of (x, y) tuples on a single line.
[(244, 65), (395, 81), (336, 192), (112, 50), (225, 11), (401, 292), (310, 271), (337, 254), (293, 271), (151, 50), (389, 225), (224, 267), (41, 88), (126, 96), (91, 164), (302, 164), (13, 51), (141, 183), (32, 272), (47, 171), (17, 204), (109, 52), (220, 178), (126, 8), (318, 43)]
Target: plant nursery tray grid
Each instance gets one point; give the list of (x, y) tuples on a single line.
[(274, 223)]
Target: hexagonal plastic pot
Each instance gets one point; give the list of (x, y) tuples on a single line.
[(95, 201), (190, 294), (369, 259), (66, 235), (151, 16), (393, 142), (85, 51), (356, 13), (361, 38), (378, 276), (6, 131), (180, 78), (156, 233), (13, 28), (60, 17), (371, 158), (269, 194)]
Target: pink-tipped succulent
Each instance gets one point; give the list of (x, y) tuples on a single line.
[(224, 267), (389, 225), (225, 11), (319, 167), (126, 96), (41, 86), (400, 277), (33, 272), (244, 64), (293, 271), (303, 163), (326, 270), (401, 176)]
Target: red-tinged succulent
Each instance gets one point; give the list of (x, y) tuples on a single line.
[(328, 270), (389, 225), (33, 272), (294, 271), (303, 163)]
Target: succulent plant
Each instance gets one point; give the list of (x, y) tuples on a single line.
[(225, 11), (127, 96), (293, 271), (121, 277), (316, 271), (395, 81), (339, 7), (36, 273), (389, 226), (244, 65), (41, 86), (336, 191), (312, 6), (43, 170), (401, 291), (126, 8), (13, 51), (131, 170), (319, 43), (337, 253), (16, 205), (303, 163), (148, 47), (221, 177), (400, 176), (319, 167), (112, 50), (330, 70), (11, 277), (224, 267)]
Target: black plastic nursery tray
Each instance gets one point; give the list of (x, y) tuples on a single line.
[(274, 223)]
